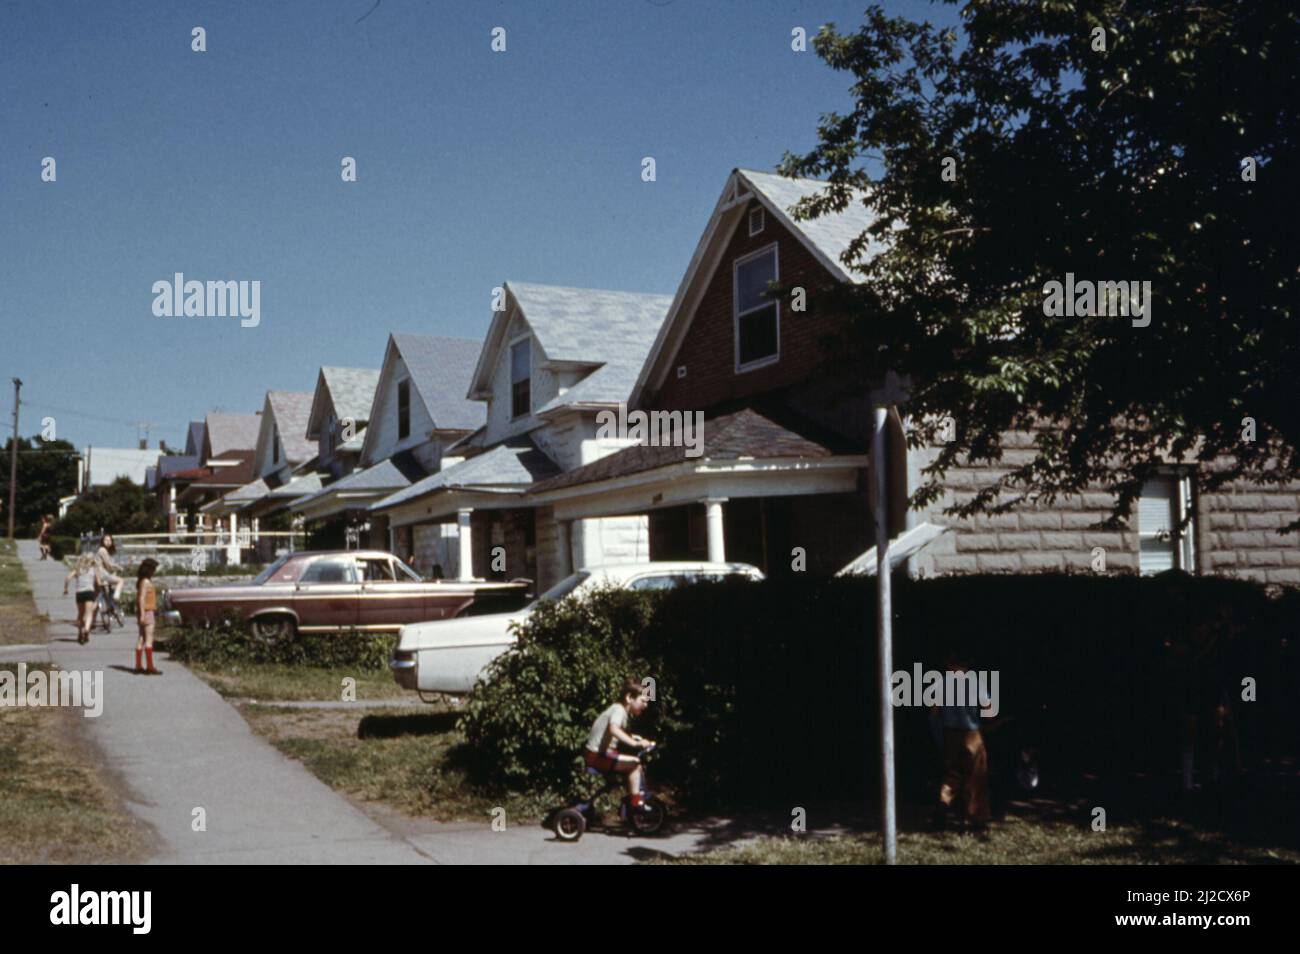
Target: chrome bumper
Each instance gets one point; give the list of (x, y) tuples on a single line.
[(171, 617), (403, 668)]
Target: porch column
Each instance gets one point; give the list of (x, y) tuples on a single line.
[(564, 544), (466, 541), (257, 531), (232, 548), (717, 546)]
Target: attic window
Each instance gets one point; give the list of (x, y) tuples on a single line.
[(757, 315), (755, 220), (275, 446), (403, 409), (521, 359)]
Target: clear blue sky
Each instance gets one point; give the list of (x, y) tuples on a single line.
[(474, 168)]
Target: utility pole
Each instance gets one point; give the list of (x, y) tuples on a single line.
[(13, 460)]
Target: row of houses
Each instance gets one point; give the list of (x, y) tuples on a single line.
[(485, 458)]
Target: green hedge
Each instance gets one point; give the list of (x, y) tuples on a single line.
[(230, 641), (768, 688)]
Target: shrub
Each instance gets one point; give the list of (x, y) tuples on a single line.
[(232, 641)]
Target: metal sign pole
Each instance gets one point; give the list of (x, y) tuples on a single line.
[(884, 637)]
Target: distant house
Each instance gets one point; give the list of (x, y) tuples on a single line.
[(552, 359), (417, 411), (225, 463), (169, 480), (282, 448), (104, 465), (340, 411)]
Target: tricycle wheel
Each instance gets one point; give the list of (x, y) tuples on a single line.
[(650, 817), (569, 824)]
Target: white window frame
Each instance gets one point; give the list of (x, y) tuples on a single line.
[(736, 314), (1184, 539), (510, 375), (762, 220)]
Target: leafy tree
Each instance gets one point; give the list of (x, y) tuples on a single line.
[(1138, 140), (47, 471), (120, 507)]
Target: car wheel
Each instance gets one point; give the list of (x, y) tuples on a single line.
[(274, 629)]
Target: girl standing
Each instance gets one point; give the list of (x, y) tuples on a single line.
[(43, 537), (146, 605)]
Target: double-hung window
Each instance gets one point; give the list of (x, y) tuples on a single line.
[(757, 315)]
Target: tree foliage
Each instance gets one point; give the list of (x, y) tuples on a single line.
[(47, 471), (1123, 163), (120, 507)]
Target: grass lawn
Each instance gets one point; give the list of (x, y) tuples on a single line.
[(1016, 840), (19, 622), (54, 806), (404, 759), (271, 682)]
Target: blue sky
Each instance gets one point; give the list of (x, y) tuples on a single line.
[(474, 167)]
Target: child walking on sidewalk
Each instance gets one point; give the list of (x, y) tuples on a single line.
[(146, 605)]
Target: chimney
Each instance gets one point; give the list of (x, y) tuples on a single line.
[(144, 443)]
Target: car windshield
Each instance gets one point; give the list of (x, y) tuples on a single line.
[(270, 570), (403, 568), (562, 589)]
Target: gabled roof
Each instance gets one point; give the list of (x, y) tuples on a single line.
[(232, 432), (578, 326), (171, 465), (194, 438), (351, 391), (509, 467), (440, 368), (291, 410), (749, 432), (826, 237)]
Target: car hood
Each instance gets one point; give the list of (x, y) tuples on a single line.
[(490, 629)]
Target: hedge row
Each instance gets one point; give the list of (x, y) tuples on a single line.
[(770, 687)]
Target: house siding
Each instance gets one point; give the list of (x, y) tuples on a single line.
[(385, 442), (1235, 533), (708, 350)]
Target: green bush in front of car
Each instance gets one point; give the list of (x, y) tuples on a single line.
[(230, 640)]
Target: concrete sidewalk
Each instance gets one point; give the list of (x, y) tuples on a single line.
[(176, 745)]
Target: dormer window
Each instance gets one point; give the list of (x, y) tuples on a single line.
[(403, 409), (521, 372), (755, 220), (757, 315)]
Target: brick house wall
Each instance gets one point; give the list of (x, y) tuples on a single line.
[(708, 351)]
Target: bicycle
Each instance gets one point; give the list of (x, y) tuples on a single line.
[(571, 822)]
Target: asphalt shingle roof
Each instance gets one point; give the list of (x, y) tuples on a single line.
[(232, 432), (291, 410), (591, 325), (746, 433), (830, 233), (514, 464), (352, 391), (392, 473), (441, 369)]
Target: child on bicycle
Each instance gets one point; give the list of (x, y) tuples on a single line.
[(108, 569), (609, 729)]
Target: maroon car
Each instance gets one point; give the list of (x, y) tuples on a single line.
[(333, 591)]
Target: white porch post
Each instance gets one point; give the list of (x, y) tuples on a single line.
[(717, 545), (465, 540), (565, 546), (232, 548), (257, 531)]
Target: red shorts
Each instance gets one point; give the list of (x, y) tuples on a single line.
[(601, 763)]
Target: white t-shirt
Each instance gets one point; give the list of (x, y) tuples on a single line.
[(601, 739)]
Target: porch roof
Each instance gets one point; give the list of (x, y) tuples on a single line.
[(389, 474), (747, 433), (514, 465)]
